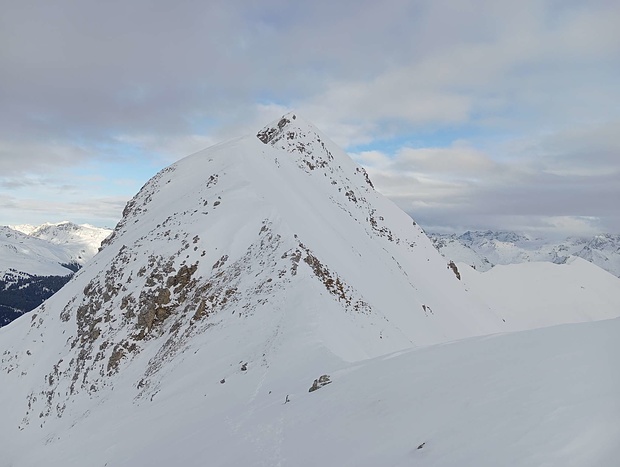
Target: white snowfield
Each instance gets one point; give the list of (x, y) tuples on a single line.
[(541, 294), (546, 397), (243, 276)]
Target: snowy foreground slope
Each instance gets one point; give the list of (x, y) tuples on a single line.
[(530, 293), (256, 270), (545, 397)]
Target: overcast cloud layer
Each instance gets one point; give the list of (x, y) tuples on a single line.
[(468, 114)]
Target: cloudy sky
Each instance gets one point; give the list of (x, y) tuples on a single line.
[(469, 114)]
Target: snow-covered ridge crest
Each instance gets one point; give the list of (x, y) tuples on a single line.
[(294, 135)]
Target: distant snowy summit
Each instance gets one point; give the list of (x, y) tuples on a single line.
[(35, 261), (484, 249), (80, 241), (47, 249)]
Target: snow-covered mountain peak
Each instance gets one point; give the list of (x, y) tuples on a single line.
[(55, 227), (81, 242), (490, 236), (289, 127), (315, 152), (246, 254), (605, 241), (36, 261), (30, 229), (235, 278), (23, 255)]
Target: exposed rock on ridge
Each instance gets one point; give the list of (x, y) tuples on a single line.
[(255, 250)]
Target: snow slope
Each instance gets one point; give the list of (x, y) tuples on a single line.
[(484, 249), (534, 398), (541, 294), (243, 273)]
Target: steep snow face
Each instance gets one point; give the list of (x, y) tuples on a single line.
[(258, 258), (483, 250)]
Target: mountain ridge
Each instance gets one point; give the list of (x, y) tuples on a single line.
[(485, 249), (239, 276), (295, 235)]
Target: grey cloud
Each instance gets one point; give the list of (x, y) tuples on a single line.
[(530, 67), (102, 212), (521, 192), (586, 149), (95, 68), (459, 160), (532, 202), (13, 183), (86, 80), (16, 183), (21, 157), (151, 65), (554, 195)]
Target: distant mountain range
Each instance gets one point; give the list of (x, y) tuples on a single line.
[(36, 261), (484, 249)]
